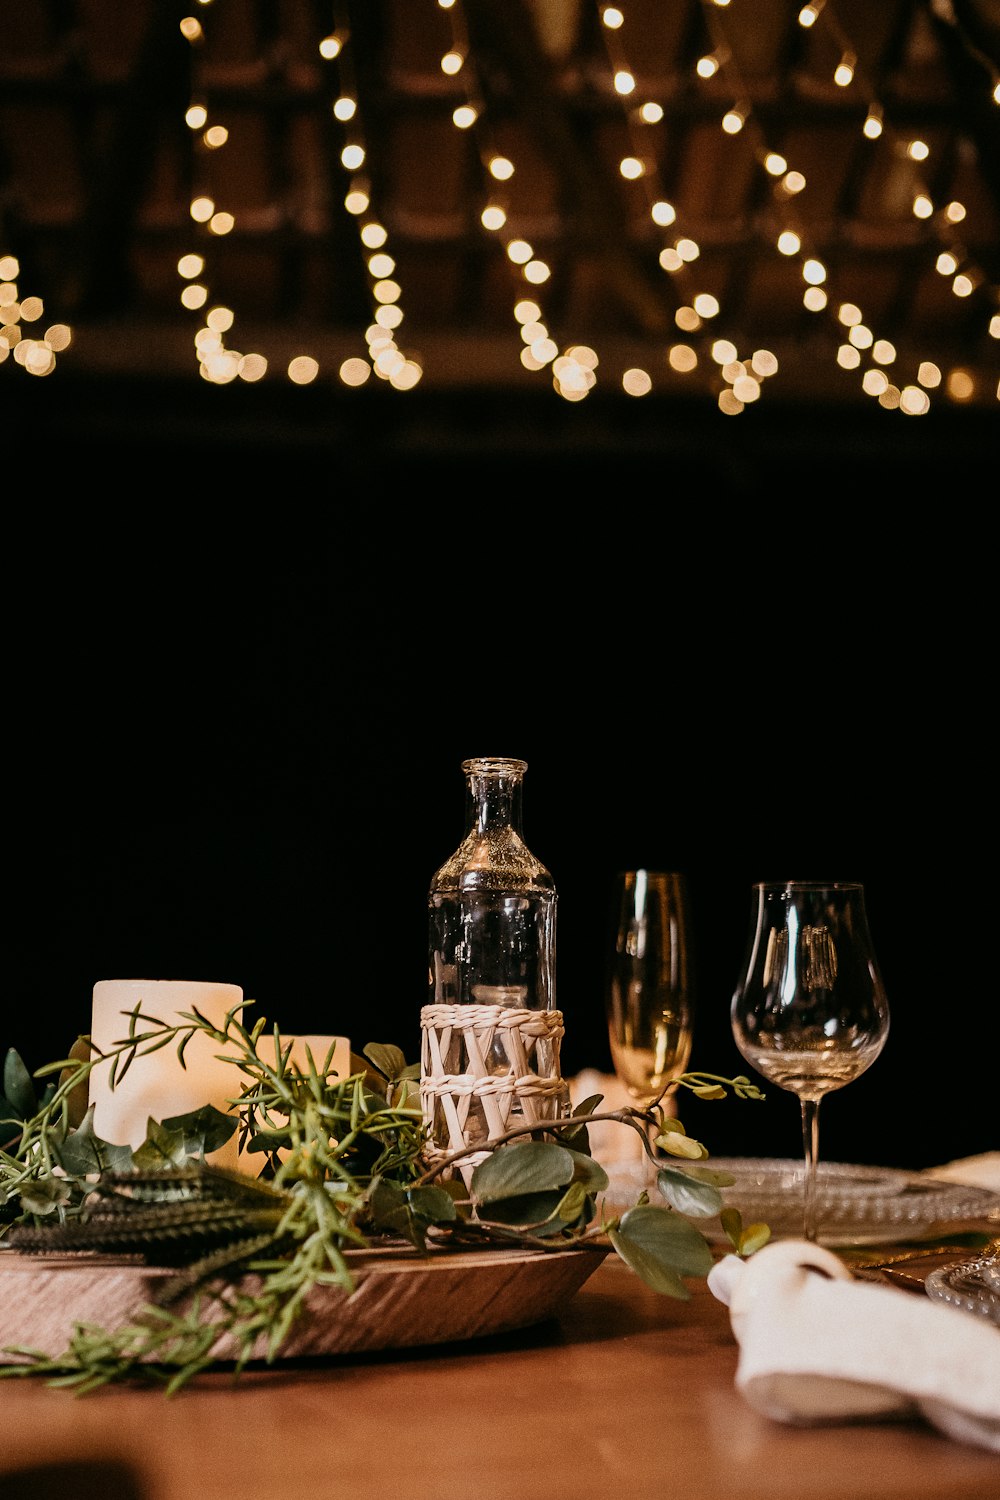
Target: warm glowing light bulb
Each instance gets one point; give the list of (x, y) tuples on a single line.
[(874, 382), (537, 272), (814, 272), (789, 242), (793, 182), (352, 157), (775, 164), (960, 385), (196, 116), (733, 121), (682, 357), (764, 363), (687, 249), (452, 63), (814, 299), (502, 168), (723, 351), (705, 305), (922, 206), (928, 374), (329, 47), (651, 113), (345, 108), (946, 263), (636, 383), (202, 210), (708, 66), (631, 168), (520, 252), (808, 15), (464, 116), (918, 150), (215, 136), (849, 314), (843, 73), (493, 217), (955, 212), (883, 351), (191, 29), (873, 123), (663, 213), (302, 370), (913, 402), (373, 235), (624, 82), (963, 286), (190, 265), (612, 17)]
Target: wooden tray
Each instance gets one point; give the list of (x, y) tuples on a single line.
[(401, 1299)]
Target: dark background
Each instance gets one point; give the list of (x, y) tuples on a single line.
[(238, 698)]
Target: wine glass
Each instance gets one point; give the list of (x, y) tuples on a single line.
[(649, 992), (810, 1011)]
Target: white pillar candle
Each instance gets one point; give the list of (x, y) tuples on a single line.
[(157, 1085)]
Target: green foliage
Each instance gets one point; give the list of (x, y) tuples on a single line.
[(342, 1164)]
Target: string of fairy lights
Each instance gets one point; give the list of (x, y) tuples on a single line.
[(572, 367), (859, 348)]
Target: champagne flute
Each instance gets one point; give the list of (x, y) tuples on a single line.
[(810, 1011), (649, 993)]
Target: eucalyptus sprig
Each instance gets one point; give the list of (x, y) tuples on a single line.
[(343, 1165)]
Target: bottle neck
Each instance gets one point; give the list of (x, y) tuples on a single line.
[(493, 801)]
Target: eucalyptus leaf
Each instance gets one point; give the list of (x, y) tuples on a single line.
[(534, 1213), (18, 1087), (654, 1271), (390, 1061), (432, 1204), (204, 1129), (82, 1152), (161, 1148), (659, 1237), (753, 1238), (732, 1222), (699, 1199), (573, 1203), (523, 1167), (45, 1195), (589, 1173), (715, 1175)]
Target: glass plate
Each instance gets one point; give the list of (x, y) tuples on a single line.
[(858, 1205), (974, 1286)]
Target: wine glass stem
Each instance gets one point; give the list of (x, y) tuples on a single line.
[(810, 1146)]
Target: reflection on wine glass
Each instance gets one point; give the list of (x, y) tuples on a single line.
[(649, 993), (810, 1011)]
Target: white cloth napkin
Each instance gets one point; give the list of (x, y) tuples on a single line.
[(816, 1346)]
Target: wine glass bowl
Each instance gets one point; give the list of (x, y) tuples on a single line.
[(649, 993), (810, 1012)]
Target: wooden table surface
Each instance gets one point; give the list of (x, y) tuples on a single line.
[(623, 1393)]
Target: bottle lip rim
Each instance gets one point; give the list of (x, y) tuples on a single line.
[(494, 765)]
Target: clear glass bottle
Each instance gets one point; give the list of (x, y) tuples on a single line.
[(493, 904), (492, 943)]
